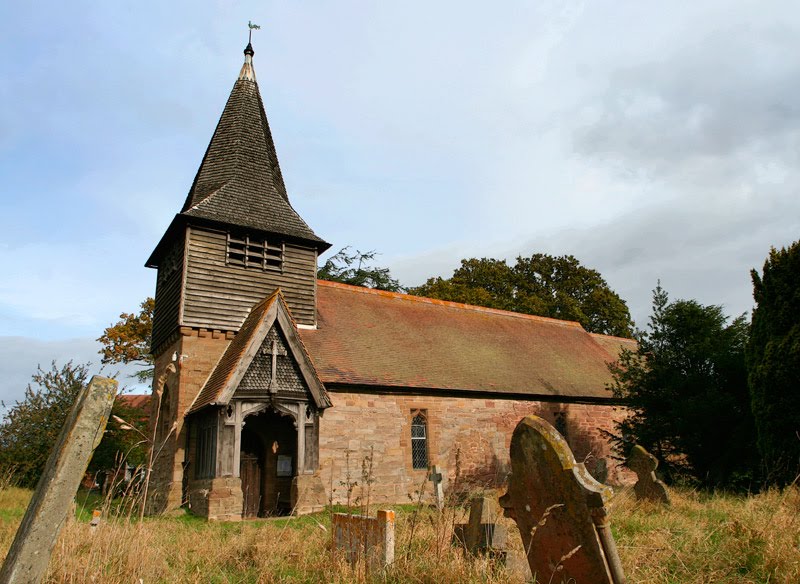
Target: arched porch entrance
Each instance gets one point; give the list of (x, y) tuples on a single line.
[(267, 463)]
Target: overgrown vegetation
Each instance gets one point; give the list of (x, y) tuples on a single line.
[(702, 538)]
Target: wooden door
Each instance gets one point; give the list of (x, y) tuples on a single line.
[(250, 472)]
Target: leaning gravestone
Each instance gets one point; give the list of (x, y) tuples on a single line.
[(648, 487), (27, 560), (559, 509)]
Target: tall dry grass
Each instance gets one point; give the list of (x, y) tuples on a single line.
[(700, 538), (710, 538)]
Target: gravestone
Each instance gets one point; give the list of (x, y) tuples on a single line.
[(482, 533), (370, 539), (96, 514), (600, 471), (436, 477), (29, 555), (648, 487), (559, 509)]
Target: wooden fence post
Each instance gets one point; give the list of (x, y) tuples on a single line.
[(29, 555)]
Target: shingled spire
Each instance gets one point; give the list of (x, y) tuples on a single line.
[(236, 238), (239, 182)]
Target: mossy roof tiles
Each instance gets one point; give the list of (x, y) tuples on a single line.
[(374, 338)]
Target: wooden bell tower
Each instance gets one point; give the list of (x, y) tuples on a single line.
[(236, 240)]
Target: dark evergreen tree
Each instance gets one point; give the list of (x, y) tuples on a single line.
[(686, 387), (558, 287), (773, 362)]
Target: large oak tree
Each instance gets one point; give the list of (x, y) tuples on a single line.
[(545, 285)]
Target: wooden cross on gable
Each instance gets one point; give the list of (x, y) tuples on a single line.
[(275, 352)]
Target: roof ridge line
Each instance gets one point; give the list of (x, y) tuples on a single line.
[(630, 339), (448, 303)]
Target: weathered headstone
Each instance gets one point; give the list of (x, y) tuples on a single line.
[(436, 477), (648, 487), (482, 533), (600, 471), (368, 538), (29, 555), (559, 509)]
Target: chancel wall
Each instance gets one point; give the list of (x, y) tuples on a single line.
[(468, 437)]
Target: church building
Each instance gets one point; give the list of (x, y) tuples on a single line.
[(272, 387)]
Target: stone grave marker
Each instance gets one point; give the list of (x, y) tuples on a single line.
[(29, 554), (436, 477), (648, 487), (96, 514), (482, 533), (559, 509), (367, 538)]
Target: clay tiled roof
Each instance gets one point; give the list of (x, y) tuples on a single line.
[(374, 338), (239, 181), (615, 345), (133, 400)]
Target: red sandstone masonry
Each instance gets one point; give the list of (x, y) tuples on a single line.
[(479, 429), (198, 352)]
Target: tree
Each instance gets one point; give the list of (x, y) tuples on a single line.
[(354, 269), (686, 387), (773, 363), (31, 427), (128, 341), (558, 287)]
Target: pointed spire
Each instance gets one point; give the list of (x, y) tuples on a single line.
[(239, 181)]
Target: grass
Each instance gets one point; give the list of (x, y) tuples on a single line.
[(699, 539)]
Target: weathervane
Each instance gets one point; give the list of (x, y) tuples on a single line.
[(252, 27)]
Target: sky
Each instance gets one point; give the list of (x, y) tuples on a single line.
[(653, 141)]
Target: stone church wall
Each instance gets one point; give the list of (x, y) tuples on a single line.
[(479, 430), (197, 353)]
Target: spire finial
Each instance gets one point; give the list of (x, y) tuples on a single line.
[(247, 72), (249, 50)]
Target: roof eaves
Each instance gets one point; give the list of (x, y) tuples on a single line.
[(583, 397)]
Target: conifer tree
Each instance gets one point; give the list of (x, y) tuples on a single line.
[(773, 361), (686, 387)]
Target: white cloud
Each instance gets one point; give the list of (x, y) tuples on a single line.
[(650, 141)]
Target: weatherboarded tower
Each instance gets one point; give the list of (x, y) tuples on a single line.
[(236, 241)]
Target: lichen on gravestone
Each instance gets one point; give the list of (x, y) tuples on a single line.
[(560, 509)]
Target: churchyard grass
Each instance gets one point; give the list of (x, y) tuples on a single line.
[(701, 538)]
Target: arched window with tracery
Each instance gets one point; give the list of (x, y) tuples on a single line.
[(419, 439)]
